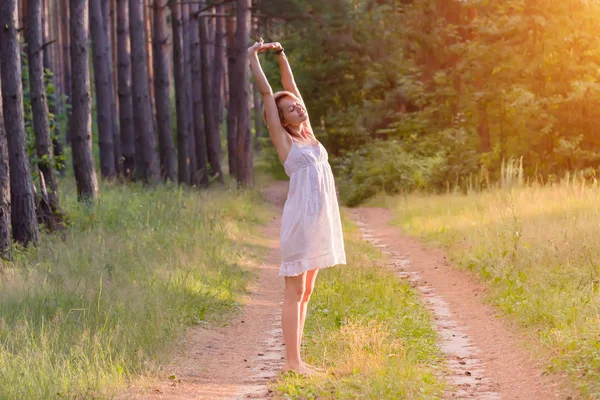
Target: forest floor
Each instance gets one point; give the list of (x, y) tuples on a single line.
[(487, 357)]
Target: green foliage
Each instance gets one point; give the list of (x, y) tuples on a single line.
[(80, 314), (383, 166), (479, 82)]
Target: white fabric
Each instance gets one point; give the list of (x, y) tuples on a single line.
[(311, 229)]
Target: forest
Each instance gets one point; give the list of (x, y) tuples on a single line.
[(136, 171)]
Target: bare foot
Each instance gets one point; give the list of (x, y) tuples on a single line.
[(313, 368), (301, 369)]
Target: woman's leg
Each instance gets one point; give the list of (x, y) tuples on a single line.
[(311, 277), (290, 321)]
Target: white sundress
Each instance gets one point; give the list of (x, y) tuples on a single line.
[(311, 229)]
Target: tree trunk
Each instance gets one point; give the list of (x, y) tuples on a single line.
[(244, 136), (53, 99), (127, 135), (39, 108), (189, 97), (231, 100), (161, 88), (200, 175), (150, 55), (102, 85), (108, 20), (183, 171), (219, 66), (24, 222), (142, 108), (65, 23), (4, 189), (81, 123), (213, 140)]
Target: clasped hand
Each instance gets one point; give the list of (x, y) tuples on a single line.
[(261, 46)]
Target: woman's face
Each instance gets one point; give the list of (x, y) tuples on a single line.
[(292, 110)]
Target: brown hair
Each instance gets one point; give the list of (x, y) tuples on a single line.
[(278, 96)]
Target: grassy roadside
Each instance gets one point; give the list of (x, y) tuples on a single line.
[(78, 316), (370, 332), (538, 250)]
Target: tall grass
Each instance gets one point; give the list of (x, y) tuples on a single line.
[(370, 332), (537, 248), (80, 315)]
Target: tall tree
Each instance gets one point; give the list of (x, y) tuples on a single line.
[(66, 60), (219, 65), (4, 189), (24, 222), (127, 133), (231, 98), (200, 175), (142, 108), (108, 19), (244, 136), (81, 122), (39, 108), (213, 140), (162, 90), (183, 171), (53, 67), (103, 83), (189, 97)]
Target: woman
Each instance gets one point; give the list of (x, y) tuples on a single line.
[(311, 230)]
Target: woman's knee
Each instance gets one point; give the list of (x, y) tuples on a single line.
[(294, 289), (307, 292)]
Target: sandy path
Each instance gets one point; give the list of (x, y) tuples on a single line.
[(486, 355), (236, 361)]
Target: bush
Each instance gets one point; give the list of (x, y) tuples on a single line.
[(383, 166)]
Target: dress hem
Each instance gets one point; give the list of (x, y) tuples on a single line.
[(295, 268)]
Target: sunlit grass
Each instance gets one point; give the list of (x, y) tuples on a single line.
[(370, 332), (80, 315), (538, 250)]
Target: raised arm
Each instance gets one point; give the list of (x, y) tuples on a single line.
[(280, 138), (287, 77)]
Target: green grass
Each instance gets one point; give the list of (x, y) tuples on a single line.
[(538, 249), (370, 332), (79, 316)]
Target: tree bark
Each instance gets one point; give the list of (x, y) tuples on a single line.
[(201, 174), (108, 20), (39, 108), (162, 90), (81, 123), (189, 97), (102, 85), (142, 108), (67, 82), (4, 189), (24, 222), (183, 171), (231, 100), (244, 136), (219, 67), (127, 134), (53, 99), (213, 140)]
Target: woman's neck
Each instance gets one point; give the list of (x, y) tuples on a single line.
[(298, 131)]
